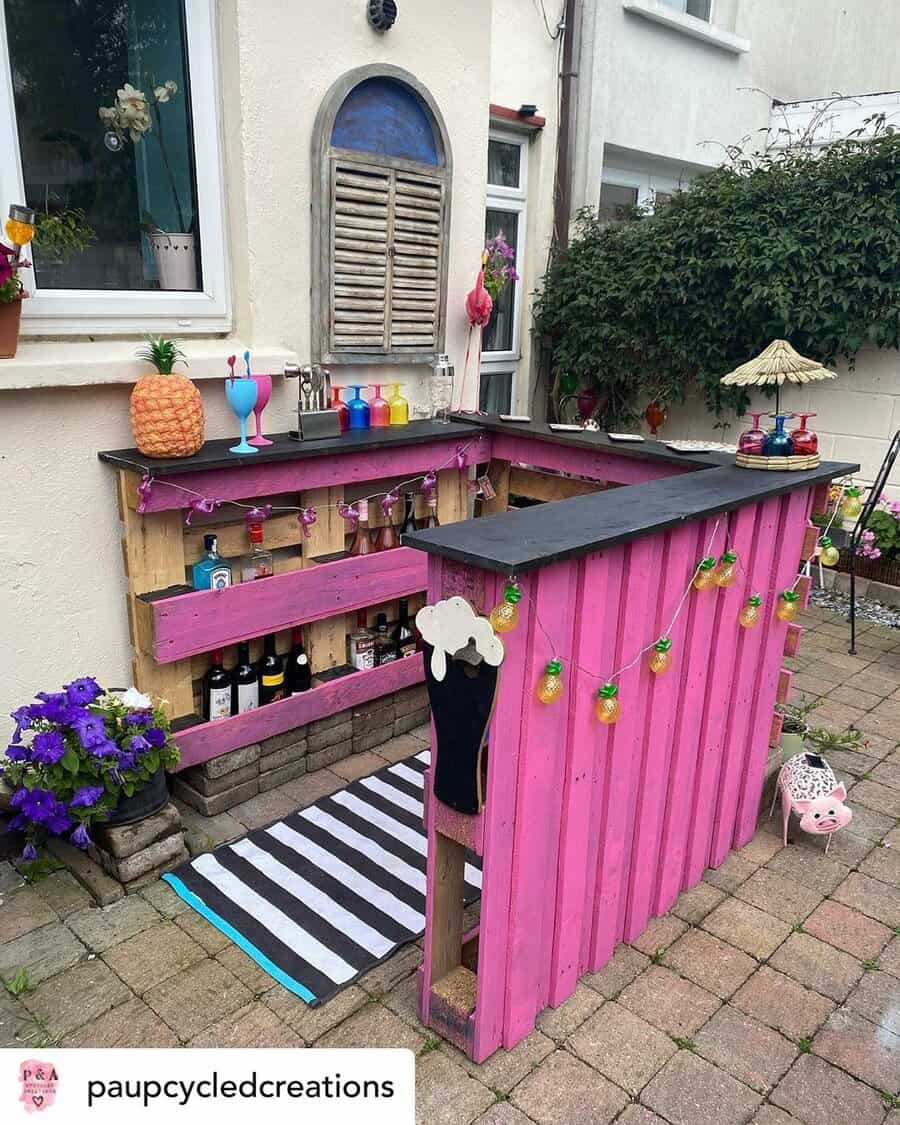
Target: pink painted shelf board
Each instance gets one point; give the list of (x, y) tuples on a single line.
[(208, 619)]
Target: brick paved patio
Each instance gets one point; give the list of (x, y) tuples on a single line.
[(770, 994)]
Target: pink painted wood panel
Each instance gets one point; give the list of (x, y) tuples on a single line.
[(209, 619), (208, 740), (584, 739), (539, 805), (792, 639), (596, 465), (274, 477), (662, 705)]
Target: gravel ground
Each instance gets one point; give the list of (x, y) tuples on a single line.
[(865, 610)]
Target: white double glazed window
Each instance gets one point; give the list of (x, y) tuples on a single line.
[(622, 189), (700, 9), (110, 128), (505, 215)]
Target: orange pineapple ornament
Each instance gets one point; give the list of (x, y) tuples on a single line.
[(166, 407), (749, 615), (550, 685), (607, 708), (788, 604), (725, 572), (661, 656), (704, 579)]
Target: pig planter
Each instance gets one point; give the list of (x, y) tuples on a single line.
[(809, 788)]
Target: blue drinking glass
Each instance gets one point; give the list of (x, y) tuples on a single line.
[(241, 395), (778, 443), (359, 410)]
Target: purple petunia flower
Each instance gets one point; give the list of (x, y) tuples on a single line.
[(138, 718), (82, 691), (59, 820), (91, 729), (29, 853), (80, 837), (17, 753), (138, 743), (19, 823), (55, 708), (155, 736), (22, 718), (36, 804), (86, 796), (105, 748), (127, 761), (48, 747)]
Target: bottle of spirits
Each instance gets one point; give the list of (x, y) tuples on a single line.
[(362, 645), (216, 690), (211, 572), (431, 520), (244, 682), (299, 672), (387, 537), (258, 564), (385, 649), (409, 516), (271, 673), (402, 635), (362, 542)]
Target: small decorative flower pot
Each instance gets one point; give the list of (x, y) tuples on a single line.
[(791, 744), (145, 802), (176, 260), (10, 317)]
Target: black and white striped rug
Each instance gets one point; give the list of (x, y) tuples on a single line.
[(319, 898)]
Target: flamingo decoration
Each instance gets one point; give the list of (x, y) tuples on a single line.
[(479, 306)]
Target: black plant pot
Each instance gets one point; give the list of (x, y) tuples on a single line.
[(145, 802)]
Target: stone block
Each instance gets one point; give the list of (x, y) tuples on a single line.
[(373, 707), (212, 786), (410, 699), (292, 752), (278, 776), (132, 867), (234, 760), (328, 721), (280, 741), (329, 736), (412, 720), (155, 873), (376, 722), (377, 737), (88, 873), (123, 840), (323, 758), (211, 806)]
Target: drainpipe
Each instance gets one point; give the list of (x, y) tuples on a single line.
[(568, 103)]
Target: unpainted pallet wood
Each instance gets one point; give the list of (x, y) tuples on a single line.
[(326, 640)]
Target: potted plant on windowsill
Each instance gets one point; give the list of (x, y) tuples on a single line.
[(12, 294), (85, 756)]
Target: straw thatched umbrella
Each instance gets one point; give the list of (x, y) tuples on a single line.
[(779, 362)]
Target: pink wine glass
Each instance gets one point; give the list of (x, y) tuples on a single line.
[(264, 393)]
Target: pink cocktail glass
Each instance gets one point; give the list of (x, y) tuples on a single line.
[(753, 440), (264, 393)]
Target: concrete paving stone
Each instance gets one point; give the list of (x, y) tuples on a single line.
[(782, 1003), (400, 747), (285, 755), (849, 849), (693, 905), (278, 742), (130, 1024), (877, 997), (771, 1115), (783, 898), (312, 1023), (208, 831), (888, 771), (373, 1023), (18, 1027), (504, 1069), (233, 761), (396, 968), (879, 745), (621, 969), (837, 716), (889, 960), (817, 965), (403, 1000), (713, 964), (622, 1046), (203, 933), (245, 969), (42, 952), (862, 1048), (883, 864), (690, 1091), (635, 1114), (565, 1091), (659, 934), (222, 802), (673, 1004), (102, 927), (21, 912), (321, 740), (331, 754), (559, 1023), (195, 998), (154, 955), (877, 722), (874, 683), (761, 849), (853, 697), (751, 1052), (263, 809), (847, 929), (851, 762), (75, 997), (814, 1091), (876, 899), (360, 765), (164, 900), (63, 893), (10, 879), (253, 1026), (874, 795), (446, 1094), (313, 787), (747, 927), (809, 867), (729, 875), (271, 779), (502, 1113)]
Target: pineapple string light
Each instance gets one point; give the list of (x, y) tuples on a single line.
[(607, 708), (788, 605), (750, 615), (725, 572), (505, 614), (704, 578), (661, 656), (852, 505), (550, 685), (829, 555)]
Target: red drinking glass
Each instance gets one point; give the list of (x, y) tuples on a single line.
[(343, 411), (805, 441), (753, 440)]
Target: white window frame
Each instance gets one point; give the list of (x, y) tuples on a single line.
[(97, 312), (647, 183), (681, 7), (511, 199)]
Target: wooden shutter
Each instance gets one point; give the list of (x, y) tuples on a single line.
[(386, 247)]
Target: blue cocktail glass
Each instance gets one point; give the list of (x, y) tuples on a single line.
[(778, 443), (241, 395)]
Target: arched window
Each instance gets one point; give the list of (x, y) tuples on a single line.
[(381, 212)]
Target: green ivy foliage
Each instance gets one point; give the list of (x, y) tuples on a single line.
[(796, 244)]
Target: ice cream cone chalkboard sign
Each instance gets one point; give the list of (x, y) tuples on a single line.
[(462, 660)]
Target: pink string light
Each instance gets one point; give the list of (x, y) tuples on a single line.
[(204, 505), (307, 518)]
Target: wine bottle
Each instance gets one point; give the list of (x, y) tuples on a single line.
[(387, 537), (299, 673), (244, 682), (362, 542), (403, 637), (362, 645), (385, 649), (409, 516), (271, 673), (216, 690), (431, 520)]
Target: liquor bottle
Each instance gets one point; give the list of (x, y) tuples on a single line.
[(409, 517), (299, 673), (431, 520), (258, 564), (244, 682), (362, 542), (387, 536), (362, 645), (402, 635), (385, 649), (211, 572), (216, 690), (271, 673)]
